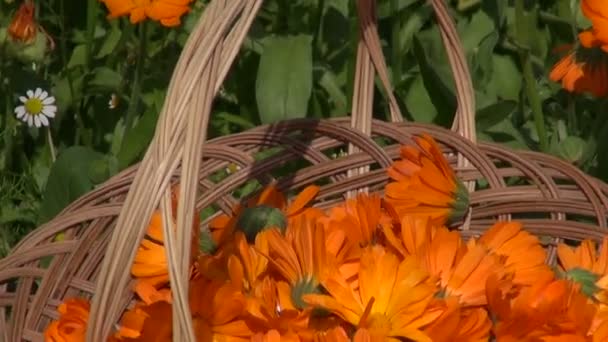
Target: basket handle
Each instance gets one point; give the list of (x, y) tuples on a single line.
[(370, 57)]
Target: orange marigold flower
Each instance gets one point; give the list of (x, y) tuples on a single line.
[(72, 323), (23, 27), (524, 256), (301, 257), (168, 12), (547, 311), (597, 12), (267, 210), (426, 185), (391, 302), (150, 264), (459, 325), (460, 270), (583, 70), (588, 267), (275, 310)]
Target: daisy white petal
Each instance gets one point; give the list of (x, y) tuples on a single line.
[(30, 94), (30, 120), (20, 111), (37, 92), (43, 120), (44, 95), (23, 99), (37, 120), (48, 100), (49, 111)]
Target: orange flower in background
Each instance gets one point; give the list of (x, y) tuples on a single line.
[(72, 323), (390, 303), (168, 12), (426, 185), (524, 256), (597, 12), (583, 71), (23, 27), (547, 311)]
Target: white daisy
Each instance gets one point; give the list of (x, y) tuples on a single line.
[(37, 108)]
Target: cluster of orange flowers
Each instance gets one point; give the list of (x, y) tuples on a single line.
[(585, 68), (372, 268)]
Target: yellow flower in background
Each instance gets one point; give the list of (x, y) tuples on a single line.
[(167, 12)]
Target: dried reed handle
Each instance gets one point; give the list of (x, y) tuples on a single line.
[(370, 57), (464, 121)]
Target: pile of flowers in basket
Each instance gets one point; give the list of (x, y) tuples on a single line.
[(373, 268)]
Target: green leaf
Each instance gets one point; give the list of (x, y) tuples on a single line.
[(330, 84), (438, 90), (284, 79), (235, 120), (105, 78), (572, 149), (506, 79), (494, 114), (68, 180), (110, 43), (138, 139), (413, 26), (419, 103), (78, 56), (385, 8)]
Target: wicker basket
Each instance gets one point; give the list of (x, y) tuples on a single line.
[(103, 228)]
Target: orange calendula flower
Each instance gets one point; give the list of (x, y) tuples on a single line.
[(390, 303), (459, 325), (276, 311), (547, 311), (150, 264), (588, 267), (583, 70), (72, 323), (461, 270), (524, 257), (168, 12), (267, 210), (301, 257), (597, 12), (23, 27), (426, 185)]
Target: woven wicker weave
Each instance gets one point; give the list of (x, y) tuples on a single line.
[(103, 228)]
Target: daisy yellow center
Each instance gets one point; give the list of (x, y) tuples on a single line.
[(33, 106)]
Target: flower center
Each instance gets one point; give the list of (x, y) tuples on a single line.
[(33, 106), (255, 219), (585, 278), (303, 287), (378, 323)]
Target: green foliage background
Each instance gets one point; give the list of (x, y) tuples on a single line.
[(297, 61)]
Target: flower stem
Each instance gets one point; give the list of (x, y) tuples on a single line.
[(49, 140), (529, 80), (136, 88)]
